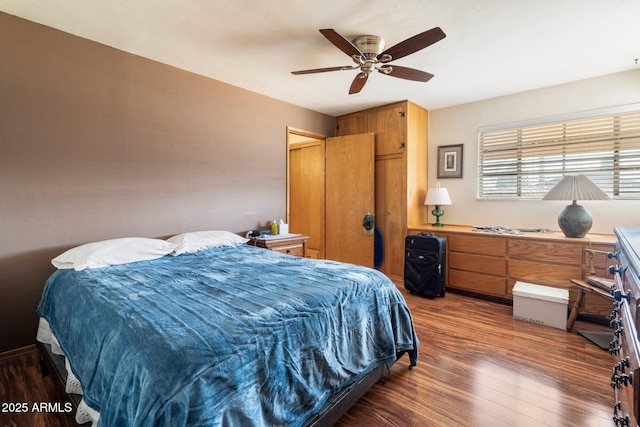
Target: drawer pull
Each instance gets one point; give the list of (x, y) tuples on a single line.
[(626, 379), (616, 309), (615, 323), (619, 296), (619, 367), (616, 269), (614, 348), (622, 421), (612, 255)]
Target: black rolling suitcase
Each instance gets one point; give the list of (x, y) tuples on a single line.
[(424, 264)]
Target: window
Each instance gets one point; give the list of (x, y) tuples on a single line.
[(524, 160)]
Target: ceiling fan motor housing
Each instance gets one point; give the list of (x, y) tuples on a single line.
[(370, 46)]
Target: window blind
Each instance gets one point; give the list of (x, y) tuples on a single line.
[(525, 160)]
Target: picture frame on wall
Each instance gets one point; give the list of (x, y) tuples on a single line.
[(450, 161)]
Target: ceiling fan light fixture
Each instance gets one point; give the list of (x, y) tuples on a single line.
[(368, 66)]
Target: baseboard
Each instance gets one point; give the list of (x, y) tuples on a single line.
[(17, 352), (486, 297)]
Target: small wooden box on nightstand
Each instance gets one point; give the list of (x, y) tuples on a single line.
[(290, 244)]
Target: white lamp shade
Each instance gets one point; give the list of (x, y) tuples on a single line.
[(575, 187), (437, 197)]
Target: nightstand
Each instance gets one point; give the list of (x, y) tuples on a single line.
[(290, 244)]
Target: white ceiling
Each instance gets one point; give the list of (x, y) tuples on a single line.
[(492, 48)]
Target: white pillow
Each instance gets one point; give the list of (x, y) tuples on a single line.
[(200, 240), (113, 252)]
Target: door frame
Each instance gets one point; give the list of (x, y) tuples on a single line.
[(299, 138)]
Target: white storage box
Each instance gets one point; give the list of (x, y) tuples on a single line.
[(542, 305)]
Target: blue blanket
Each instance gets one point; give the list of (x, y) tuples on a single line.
[(227, 337)]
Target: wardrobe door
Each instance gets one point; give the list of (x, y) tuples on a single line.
[(349, 198), (352, 124), (390, 127), (390, 211)]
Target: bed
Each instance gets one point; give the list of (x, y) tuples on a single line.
[(219, 335)]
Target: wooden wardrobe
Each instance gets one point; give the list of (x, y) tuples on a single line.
[(400, 131), (400, 174)]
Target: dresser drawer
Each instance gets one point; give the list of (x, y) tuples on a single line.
[(296, 250), (288, 244), (543, 273), (476, 282), (487, 245), (557, 252), (477, 263)]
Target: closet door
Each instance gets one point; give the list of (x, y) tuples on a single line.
[(352, 124), (350, 185), (390, 211), (390, 127)]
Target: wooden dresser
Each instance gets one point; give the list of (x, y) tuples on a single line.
[(489, 264), (625, 376), (290, 244)]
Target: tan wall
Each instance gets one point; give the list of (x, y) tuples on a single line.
[(459, 125), (96, 143)]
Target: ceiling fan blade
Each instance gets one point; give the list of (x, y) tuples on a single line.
[(406, 73), (324, 70), (413, 44), (341, 43), (358, 83)]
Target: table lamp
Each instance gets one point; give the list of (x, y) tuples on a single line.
[(438, 197), (575, 220)]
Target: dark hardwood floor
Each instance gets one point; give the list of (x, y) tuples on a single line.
[(477, 367), (22, 383)]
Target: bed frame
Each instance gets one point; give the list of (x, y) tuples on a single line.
[(53, 364)]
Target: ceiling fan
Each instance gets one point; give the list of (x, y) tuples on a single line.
[(368, 53)]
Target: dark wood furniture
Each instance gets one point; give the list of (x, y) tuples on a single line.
[(289, 244), (625, 377)]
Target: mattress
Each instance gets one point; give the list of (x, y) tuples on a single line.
[(226, 336)]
